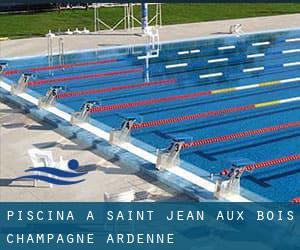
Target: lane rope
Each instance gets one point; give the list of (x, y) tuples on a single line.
[(211, 113), (269, 163), (240, 135), (296, 200), (111, 89), (80, 77), (65, 66), (263, 164), (188, 96)]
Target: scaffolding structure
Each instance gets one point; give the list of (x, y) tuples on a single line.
[(129, 20)]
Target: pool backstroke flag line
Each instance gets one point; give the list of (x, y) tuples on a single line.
[(149, 226)]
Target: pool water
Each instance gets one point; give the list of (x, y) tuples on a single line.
[(193, 77)]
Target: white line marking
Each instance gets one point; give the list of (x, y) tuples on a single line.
[(291, 99), (292, 40), (253, 69), (218, 60), (59, 113), (183, 52), (291, 64), (256, 55), (290, 80), (5, 86), (195, 51), (211, 75), (261, 43), (145, 57), (247, 87), (226, 47), (290, 51), (171, 66)]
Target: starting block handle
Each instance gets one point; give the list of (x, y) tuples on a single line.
[(122, 135), (3, 65), (22, 83), (84, 113), (50, 97), (169, 157)]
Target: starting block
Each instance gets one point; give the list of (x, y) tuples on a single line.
[(84, 113), (170, 157), (230, 186), (22, 84), (50, 97), (122, 135), (3, 65)]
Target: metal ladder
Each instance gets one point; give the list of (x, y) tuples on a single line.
[(50, 53), (61, 52)]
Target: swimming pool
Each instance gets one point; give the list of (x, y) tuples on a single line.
[(232, 98)]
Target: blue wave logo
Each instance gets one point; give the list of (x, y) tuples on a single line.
[(62, 174)]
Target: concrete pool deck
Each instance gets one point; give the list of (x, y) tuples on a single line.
[(19, 133), (108, 177)]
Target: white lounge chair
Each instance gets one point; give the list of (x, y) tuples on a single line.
[(43, 158), (236, 29)]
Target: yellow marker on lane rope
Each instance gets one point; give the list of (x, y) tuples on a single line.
[(252, 86), (265, 104)]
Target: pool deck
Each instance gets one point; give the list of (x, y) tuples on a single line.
[(106, 176), (18, 133)]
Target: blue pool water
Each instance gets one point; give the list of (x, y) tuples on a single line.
[(237, 61)]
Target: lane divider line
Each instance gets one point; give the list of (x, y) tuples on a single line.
[(296, 200), (226, 47), (272, 162), (194, 51), (238, 135), (218, 60), (116, 88), (147, 56), (292, 40), (291, 64), (178, 65), (290, 51), (210, 75), (183, 52), (186, 52), (253, 69), (65, 66), (256, 55), (187, 96), (261, 43), (160, 122), (80, 77)]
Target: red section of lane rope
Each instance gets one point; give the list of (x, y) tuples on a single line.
[(240, 134), (81, 77), (148, 102), (191, 117), (265, 164), (65, 66), (110, 89), (296, 200)]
